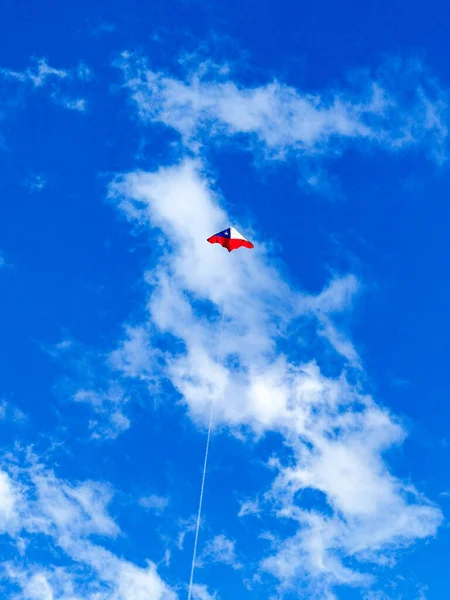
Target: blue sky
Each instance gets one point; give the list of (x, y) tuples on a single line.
[(128, 135)]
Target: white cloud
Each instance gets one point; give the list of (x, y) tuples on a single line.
[(38, 587), (42, 76), (38, 75), (78, 104), (10, 496), (64, 510), (64, 516), (4, 264), (84, 72), (105, 381), (63, 345), (36, 183), (155, 503), (102, 28), (221, 549), (136, 357), (398, 107), (109, 406), (336, 298), (249, 507), (185, 527), (11, 413), (337, 434), (98, 380), (376, 596), (200, 592)]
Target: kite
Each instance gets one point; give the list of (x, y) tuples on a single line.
[(230, 239)]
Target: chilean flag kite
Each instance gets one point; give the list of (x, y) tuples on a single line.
[(230, 239)]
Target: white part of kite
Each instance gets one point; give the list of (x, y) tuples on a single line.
[(234, 234)]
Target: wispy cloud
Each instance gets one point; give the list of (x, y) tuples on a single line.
[(10, 412), (396, 108), (38, 75), (35, 503), (84, 73), (155, 503), (108, 404), (78, 104), (220, 549), (249, 507), (35, 183), (4, 264), (92, 379), (102, 28), (54, 81), (200, 592)]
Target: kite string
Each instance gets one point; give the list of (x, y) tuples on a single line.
[(205, 463)]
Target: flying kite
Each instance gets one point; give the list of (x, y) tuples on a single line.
[(230, 239)]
